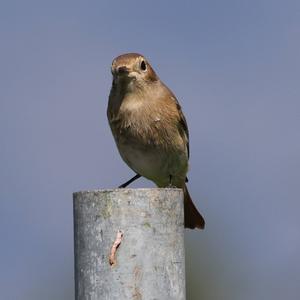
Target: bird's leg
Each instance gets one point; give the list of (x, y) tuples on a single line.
[(170, 182), (130, 181)]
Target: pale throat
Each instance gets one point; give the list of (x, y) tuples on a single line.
[(132, 93)]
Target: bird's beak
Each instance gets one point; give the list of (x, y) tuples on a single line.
[(122, 70)]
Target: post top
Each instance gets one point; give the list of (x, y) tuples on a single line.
[(127, 190)]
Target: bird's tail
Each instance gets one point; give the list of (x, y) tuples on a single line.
[(192, 217)]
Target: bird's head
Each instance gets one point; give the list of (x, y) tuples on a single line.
[(132, 68)]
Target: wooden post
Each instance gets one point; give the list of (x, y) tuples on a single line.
[(129, 244)]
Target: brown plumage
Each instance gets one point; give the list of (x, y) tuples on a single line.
[(149, 128)]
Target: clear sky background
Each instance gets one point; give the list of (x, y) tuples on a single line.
[(235, 68)]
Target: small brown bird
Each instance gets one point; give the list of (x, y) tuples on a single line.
[(149, 128)]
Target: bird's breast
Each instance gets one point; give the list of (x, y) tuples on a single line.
[(148, 139), (151, 152)]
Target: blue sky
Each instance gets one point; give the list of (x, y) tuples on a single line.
[(234, 66)]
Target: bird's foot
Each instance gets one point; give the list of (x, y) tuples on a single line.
[(171, 185)]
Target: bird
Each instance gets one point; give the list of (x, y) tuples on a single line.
[(149, 128)]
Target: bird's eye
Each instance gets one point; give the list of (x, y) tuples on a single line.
[(143, 65)]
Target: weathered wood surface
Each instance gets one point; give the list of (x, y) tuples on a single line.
[(149, 263)]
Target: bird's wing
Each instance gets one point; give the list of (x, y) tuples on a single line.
[(185, 128), (182, 126)]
